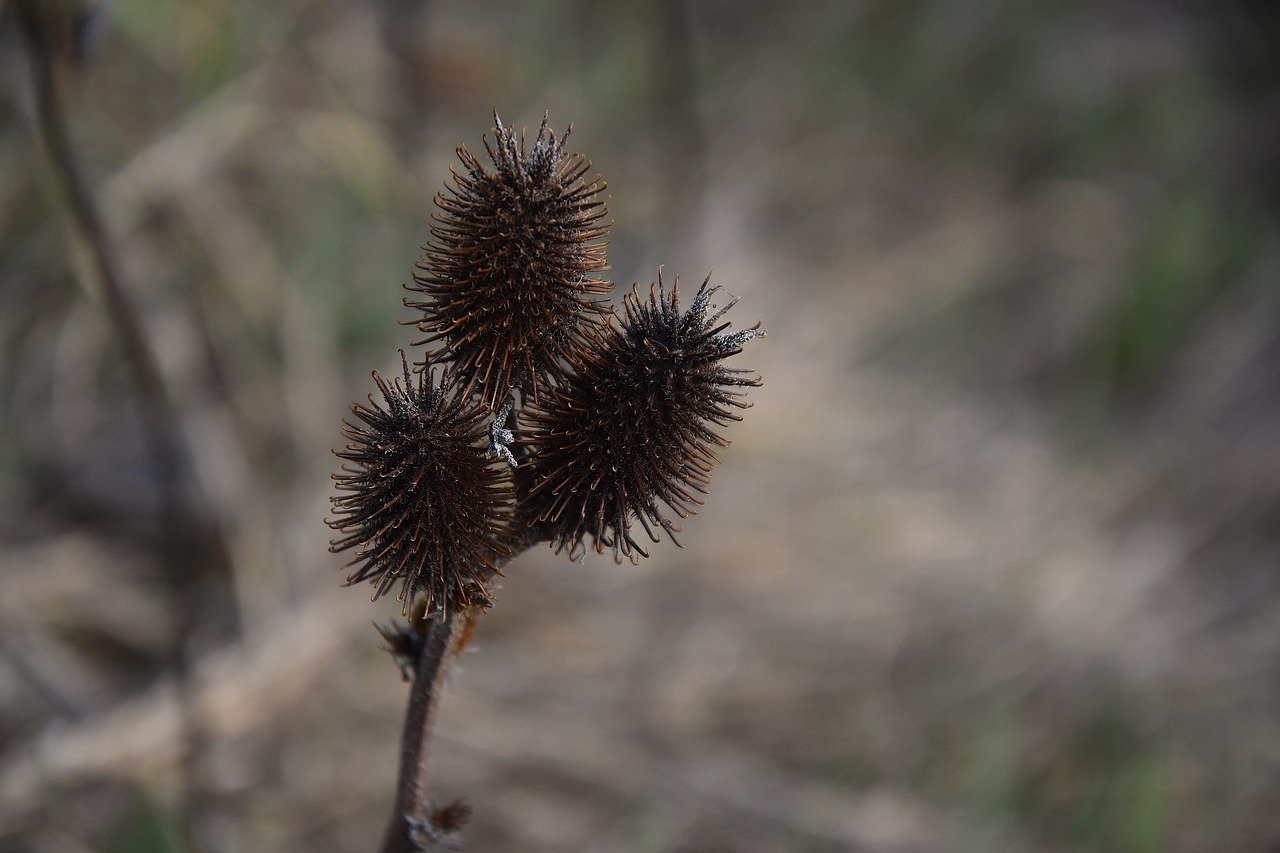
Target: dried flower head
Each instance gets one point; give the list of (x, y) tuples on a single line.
[(631, 429), (511, 273), (420, 501)]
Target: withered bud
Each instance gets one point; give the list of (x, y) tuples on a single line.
[(404, 644), (420, 501), (441, 827), (511, 274), (452, 818), (630, 433)]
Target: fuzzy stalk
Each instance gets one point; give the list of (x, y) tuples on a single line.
[(408, 820)]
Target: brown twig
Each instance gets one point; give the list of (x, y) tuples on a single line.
[(412, 826), (410, 829), (159, 419), (191, 533), (191, 542)]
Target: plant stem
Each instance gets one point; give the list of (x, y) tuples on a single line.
[(411, 791)]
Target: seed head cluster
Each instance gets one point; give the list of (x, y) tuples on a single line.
[(557, 418), (511, 276), (420, 501)]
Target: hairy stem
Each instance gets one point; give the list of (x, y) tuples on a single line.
[(408, 821), (410, 827)]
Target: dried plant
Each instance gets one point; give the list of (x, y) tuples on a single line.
[(510, 279), (421, 501), (557, 420), (631, 428)]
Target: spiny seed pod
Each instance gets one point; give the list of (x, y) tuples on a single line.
[(630, 430), (421, 500), (510, 276)]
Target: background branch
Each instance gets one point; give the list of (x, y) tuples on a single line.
[(191, 543), (159, 418)]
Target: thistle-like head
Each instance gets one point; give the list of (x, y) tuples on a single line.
[(419, 499), (631, 434), (510, 282)]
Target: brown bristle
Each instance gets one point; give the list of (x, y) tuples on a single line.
[(511, 275), (629, 433), (403, 643), (420, 501)]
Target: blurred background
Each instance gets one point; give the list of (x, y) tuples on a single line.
[(991, 564)]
